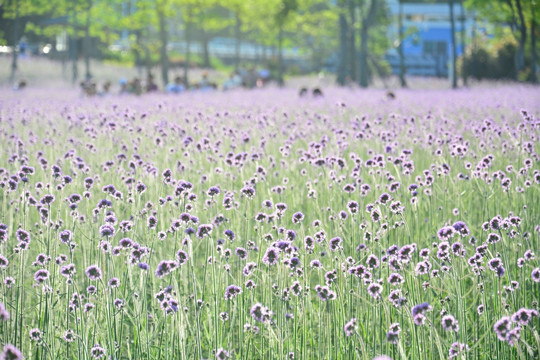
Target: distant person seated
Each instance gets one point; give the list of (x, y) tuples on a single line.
[(88, 87), (390, 95), (265, 76), (317, 92), (204, 80), (205, 84), (105, 89), (303, 92), (123, 86), (234, 81), (20, 85), (150, 84), (135, 86), (177, 86), (251, 78)]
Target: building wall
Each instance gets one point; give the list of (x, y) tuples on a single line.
[(428, 50)]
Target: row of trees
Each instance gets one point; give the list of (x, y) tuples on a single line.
[(356, 30), (521, 16), (152, 24)]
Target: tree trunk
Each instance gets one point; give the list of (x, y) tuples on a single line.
[(352, 41), (147, 60), (463, 72), (533, 46), (363, 57), (280, 56), (402, 68), (237, 36), (364, 38), (163, 50), (73, 47), (137, 51), (474, 48), (206, 52), (188, 52), (15, 42), (522, 38), (65, 55), (342, 66), (88, 75), (453, 43)]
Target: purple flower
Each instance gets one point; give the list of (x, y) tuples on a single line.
[(4, 262), (47, 199), (297, 217), (203, 230), (449, 323), (241, 253), (535, 275), (271, 256), (420, 308), (10, 352), (68, 270), (248, 269), (232, 291), (114, 282), (222, 354), (502, 327), (41, 275), (152, 222), (392, 337), (461, 228), (229, 234), (335, 243), (35, 334), (350, 327), (93, 272), (513, 336), (375, 290), (395, 279), (106, 230), (181, 257), (22, 236), (69, 336), (446, 233), (65, 236), (325, 293), (261, 313), (97, 352), (165, 267), (248, 191), (4, 314), (456, 349), (524, 316)]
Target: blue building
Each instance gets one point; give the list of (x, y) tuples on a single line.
[(427, 45)]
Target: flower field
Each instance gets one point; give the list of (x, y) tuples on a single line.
[(261, 225)]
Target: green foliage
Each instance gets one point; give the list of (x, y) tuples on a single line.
[(493, 61)]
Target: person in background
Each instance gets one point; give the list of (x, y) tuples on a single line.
[(204, 81), (123, 86), (150, 84), (135, 86), (20, 85), (205, 84), (234, 81), (105, 89), (88, 87), (177, 86)]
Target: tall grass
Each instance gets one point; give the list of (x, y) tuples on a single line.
[(271, 146)]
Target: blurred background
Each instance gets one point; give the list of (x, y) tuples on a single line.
[(155, 45)]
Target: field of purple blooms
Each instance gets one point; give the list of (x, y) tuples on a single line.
[(258, 225)]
